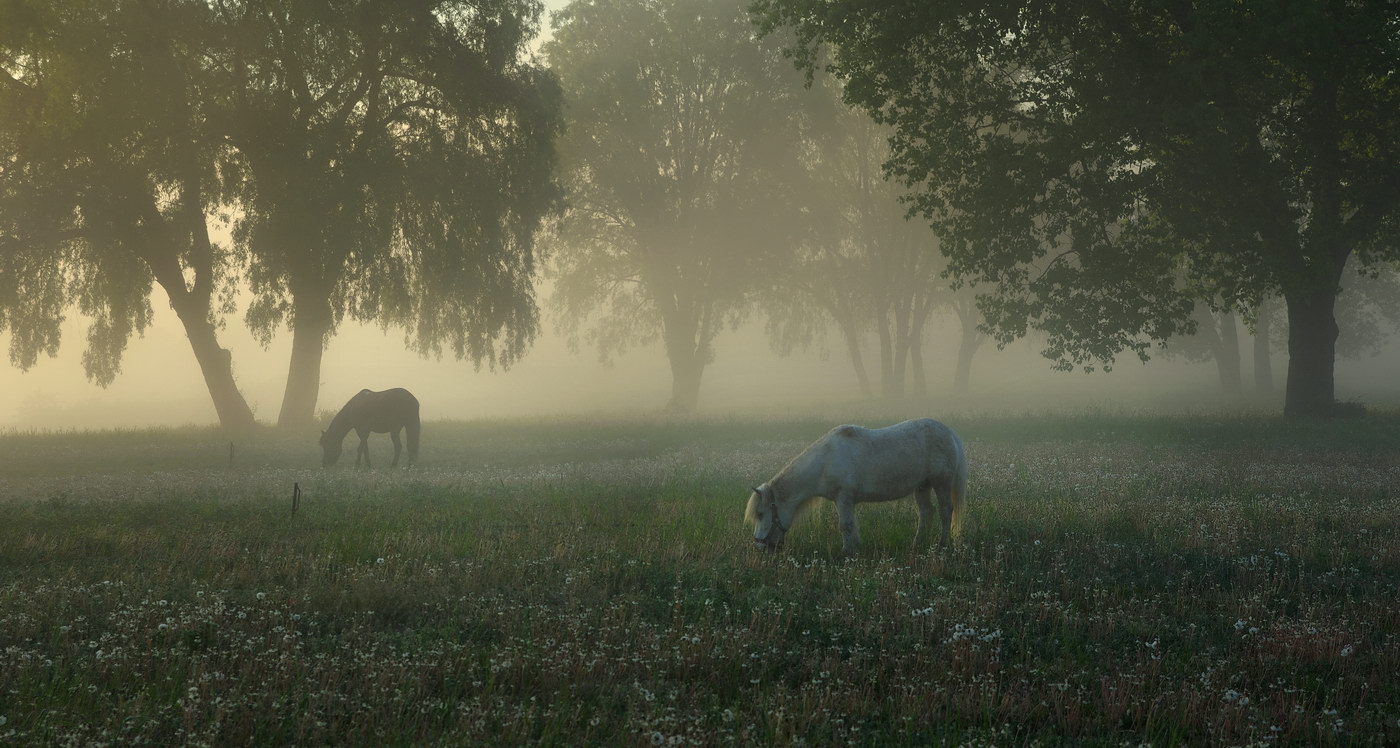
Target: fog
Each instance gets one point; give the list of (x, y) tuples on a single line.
[(160, 383)]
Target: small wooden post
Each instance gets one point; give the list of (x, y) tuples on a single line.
[(296, 497)]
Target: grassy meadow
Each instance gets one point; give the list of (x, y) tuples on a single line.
[(1120, 579)]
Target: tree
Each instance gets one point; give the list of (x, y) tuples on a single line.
[(1076, 157), (1262, 328), (399, 159), (107, 180), (963, 302), (679, 129), (386, 161), (1217, 339), (862, 264), (1368, 313)]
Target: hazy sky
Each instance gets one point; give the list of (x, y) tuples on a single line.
[(160, 382)]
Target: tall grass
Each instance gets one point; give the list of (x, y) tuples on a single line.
[(1121, 578)]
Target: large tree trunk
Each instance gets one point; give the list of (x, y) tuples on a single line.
[(194, 308), (687, 349), (901, 348), (967, 348), (1263, 366), (1227, 356), (852, 337), (1310, 289), (916, 350), (216, 363), (882, 336), (685, 383), (893, 355), (310, 325), (916, 363), (1312, 352)]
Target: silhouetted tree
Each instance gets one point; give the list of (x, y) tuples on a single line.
[(678, 123), (861, 264), (107, 181), (1076, 156), (1368, 315), (1367, 312), (1261, 329), (1216, 339), (397, 161), (963, 302)]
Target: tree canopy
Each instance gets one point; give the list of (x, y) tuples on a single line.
[(389, 162), (680, 126), (398, 159), (862, 264), (1078, 159), (107, 183)]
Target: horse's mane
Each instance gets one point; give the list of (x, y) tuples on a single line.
[(797, 469), (341, 424)]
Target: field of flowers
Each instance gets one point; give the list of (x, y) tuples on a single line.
[(1120, 579)]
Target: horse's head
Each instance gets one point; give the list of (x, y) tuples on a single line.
[(770, 518), (330, 450)]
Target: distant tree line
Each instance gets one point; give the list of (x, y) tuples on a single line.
[(707, 182), (1106, 179)]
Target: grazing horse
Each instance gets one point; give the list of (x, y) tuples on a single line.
[(851, 465), (373, 413)]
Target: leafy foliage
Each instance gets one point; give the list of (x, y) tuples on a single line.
[(386, 161), (397, 160), (680, 131), (863, 265), (98, 164), (1076, 157)]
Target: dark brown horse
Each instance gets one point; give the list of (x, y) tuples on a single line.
[(368, 413)]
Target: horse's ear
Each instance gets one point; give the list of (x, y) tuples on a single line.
[(758, 490)]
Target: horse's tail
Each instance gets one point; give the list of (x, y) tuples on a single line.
[(414, 427), (958, 493)]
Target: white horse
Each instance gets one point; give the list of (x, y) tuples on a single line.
[(852, 464)]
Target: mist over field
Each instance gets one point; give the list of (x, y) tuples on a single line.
[(160, 386), (699, 372)]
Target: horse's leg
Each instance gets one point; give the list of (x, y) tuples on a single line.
[(397, 448), (945, 512), (924, 499), (846, 519), (364, 449)]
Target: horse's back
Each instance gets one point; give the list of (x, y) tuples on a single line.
[(893, 461), (923, 434), (399, 396), (386, 410)]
